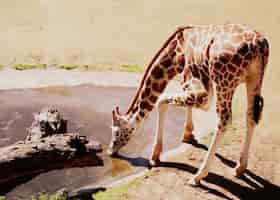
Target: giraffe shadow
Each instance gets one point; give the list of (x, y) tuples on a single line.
[(258, 187), (224, 160), (137, 162)]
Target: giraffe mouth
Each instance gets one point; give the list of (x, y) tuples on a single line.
[(111, 152)]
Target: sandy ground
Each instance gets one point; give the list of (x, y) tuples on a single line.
[(169, 181), (113, 32), (262, 179)]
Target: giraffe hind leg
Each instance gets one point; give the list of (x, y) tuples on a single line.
[(253, 115), (257, 108), (224, 118)]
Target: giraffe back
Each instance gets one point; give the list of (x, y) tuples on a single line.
[(223, 53)]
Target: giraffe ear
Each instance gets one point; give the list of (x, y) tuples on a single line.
[(118, 110), (114, 116)]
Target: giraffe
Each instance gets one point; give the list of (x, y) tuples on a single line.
[(213, 60)]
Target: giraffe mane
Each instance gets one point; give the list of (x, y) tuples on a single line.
[(148, 68)]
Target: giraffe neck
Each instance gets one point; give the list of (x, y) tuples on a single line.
[(168, 63)]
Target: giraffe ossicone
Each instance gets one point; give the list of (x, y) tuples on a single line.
[(210, 58)]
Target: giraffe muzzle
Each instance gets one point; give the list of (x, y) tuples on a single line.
[(112, 150)]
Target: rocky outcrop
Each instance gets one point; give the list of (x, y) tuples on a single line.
[(46, 147)]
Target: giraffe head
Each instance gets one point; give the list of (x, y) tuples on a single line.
[(122, 129)]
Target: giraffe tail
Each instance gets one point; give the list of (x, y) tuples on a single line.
[(263, 48), (257, 108)]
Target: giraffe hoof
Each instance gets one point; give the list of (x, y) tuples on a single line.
[(154, 162), (190, 139), (239, 171), (194, 182)]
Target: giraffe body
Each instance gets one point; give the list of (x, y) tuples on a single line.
[(213, 60)]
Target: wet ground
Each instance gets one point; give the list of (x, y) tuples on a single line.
[(88, 109)]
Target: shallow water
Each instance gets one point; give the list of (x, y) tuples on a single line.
[(88, 109)]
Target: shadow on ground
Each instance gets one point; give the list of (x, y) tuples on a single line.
[(259, 187), (85, 194)]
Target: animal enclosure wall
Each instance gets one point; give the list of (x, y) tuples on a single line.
[(113, 32)]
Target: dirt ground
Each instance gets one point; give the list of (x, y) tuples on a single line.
[(261, 180)]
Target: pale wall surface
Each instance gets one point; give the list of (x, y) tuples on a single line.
[(112, 32)]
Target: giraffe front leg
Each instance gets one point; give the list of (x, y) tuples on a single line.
[(195, 97), (188, 136), (158, 142), (162, 105)]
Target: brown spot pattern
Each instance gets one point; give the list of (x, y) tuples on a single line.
[(179, 69), (243, 50), (166, 61), (153, 98), (172, 46), (159, 87), (135, 109), (181, 60), (225, 58), (217, 65), (231, 68), (248, 56), (148, 82), (236, 60), (157, 72), (146, 93), (146, 105), (171, 73), (181, 38), (142, 114)]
